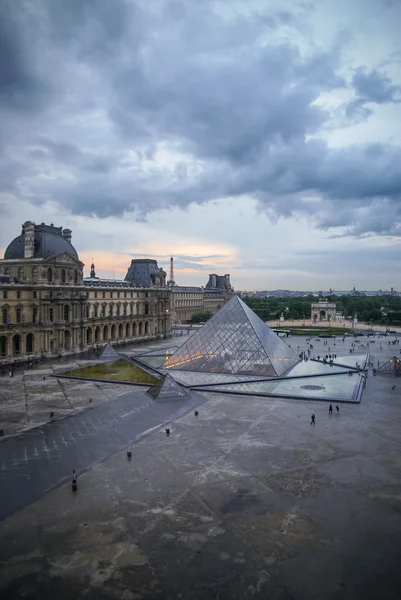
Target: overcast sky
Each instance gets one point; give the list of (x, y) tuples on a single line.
[(251, 137)]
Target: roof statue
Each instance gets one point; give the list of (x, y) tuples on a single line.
[(109, 353), (391, 367), (234, 340), (167, 389)]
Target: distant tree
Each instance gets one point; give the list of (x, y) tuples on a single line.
[(201, 317)]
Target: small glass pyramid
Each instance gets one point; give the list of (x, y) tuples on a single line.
[(166, 388), (391, 367), (109, 353), (234, 340)]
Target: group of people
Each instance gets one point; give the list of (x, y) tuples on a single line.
[(313, 418)]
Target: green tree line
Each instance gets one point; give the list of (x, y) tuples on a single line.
[(383, 310)]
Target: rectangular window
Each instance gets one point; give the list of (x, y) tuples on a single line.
[(103, 294), (4, 294), (34, 314), (35, 294), (111, 294), (51, 315), (5, 316), (18, 315), (18, 294), (125, 294), (95, 294), (118, 294)]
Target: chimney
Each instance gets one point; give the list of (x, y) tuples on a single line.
[(227, 276), (29, 239), (67, 233), (213, 280)]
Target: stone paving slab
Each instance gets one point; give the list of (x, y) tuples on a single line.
[(42, 458), (245, 501)]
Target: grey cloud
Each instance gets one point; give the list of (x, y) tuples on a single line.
[(374, 86), (106, 81)]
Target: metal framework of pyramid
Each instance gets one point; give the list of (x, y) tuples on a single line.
[(234, 340), (109, 353), (391, 367), (167, 388)]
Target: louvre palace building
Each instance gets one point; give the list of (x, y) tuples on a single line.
[(48, 308)]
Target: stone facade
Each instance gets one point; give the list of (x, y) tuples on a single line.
[(47, 308), (187, 301), (323, 311)]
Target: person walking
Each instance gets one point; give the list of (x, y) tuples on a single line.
[(74, 481), (313, 420), (330, 410), (338, 409)]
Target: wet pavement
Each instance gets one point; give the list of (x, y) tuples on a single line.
[(43, 458), (247, 500)]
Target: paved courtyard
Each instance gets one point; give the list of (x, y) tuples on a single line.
[(247, 500)]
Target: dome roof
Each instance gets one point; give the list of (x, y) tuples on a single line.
[(49, 242)]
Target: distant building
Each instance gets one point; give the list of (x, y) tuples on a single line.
[(217, 291), (323, 311), (187, 301)]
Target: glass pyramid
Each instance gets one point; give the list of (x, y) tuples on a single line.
[(166, 388), (391, 367), (109, 353), (234, 340)]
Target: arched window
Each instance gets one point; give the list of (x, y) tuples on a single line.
[(34, 274), (3, 346), (118, 310), (75, 276), (87, 311), (49, 275), (111, 309), (4, 312), (67, 340), (62, 276), (66, 312), (20, 274), (30, 343), (17, 344)]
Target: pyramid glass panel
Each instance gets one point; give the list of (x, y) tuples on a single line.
[(166, 387), (109, 353), (234, 340), (391, 367), (341, 388)]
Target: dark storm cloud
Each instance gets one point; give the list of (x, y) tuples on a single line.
[(374, 86), (101, 83)]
